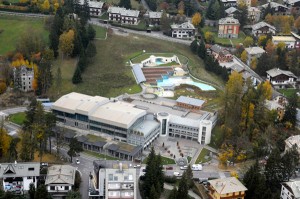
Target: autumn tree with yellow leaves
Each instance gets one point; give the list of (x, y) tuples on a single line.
[(66, 42), (5, 140), (196, 19)]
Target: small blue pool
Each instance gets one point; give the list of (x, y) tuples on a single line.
[(177, 81), (159, 61)]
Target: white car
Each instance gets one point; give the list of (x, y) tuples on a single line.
[(77, 161), (197, 167), (137, 166), (177, 174), (184, 168)]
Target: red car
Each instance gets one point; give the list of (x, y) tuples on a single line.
[(169, 168)]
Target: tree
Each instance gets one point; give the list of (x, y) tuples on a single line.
[(290, 114), (270, 47), (91, 50), (253, 63), (58, 80), (153, 193), (297, 24), (2, 87), (74, 148), (125, 3), (31, 191), (77, 76), (194, 46), (5, 140), (202, 50), (262, 41), (173, 193), (248, 42), (244, 56), (66, 42), (253, 3), (214, 11), (41, 192), (196, 19), (183, 187), (13, 153), (181, 8), (209, 38), (44, 79), (91, 32), (73, 195), (286, 28), (189, 176), (165, 23), (46, 6), (30, 43), (243, 15)]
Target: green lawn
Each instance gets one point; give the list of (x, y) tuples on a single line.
[(18, 118), (100, 32), (201, 157), (134, 3), (288, 92), (99, 155), (94, 138), (165, 161), (13, 27)]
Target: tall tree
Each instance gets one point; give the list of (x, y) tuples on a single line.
[(214, 10), (91, 50), (13, 153), (74, 148), (125, 3), (202, 53), (165, 23), (31, 191), (58, 80), (5, 140), (194, 46), (73, 195), (248, 42), (41, 192), (66, 42), (77, 76), (91, 32), (183, 187), (291, 110), (189, 177), (173, 193)]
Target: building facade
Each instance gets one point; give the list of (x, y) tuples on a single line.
[(183, 31), (123, 16), (226, 188), (290, 190), (229, 3), (277, 8), (290, 41), (263, 28), (23, 78), (60, 180), (220, 53), (154, 17), (17, 177), (95, 7), (281, 78), (253, 14), (229, 28), (253, 53)]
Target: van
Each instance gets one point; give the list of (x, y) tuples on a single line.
[(197, 167)]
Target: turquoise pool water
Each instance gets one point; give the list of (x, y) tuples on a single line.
[(158, 61), (177, 81)]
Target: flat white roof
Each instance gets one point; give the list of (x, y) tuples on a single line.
[(227, 185), (283, 38)]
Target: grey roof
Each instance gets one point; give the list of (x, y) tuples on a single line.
[(216, 48), (69, 134), (146, 127), (82, 138), (112, 147), (136, 150), (292, 1), (139, 75), (296, 35), (184, 26), (22, 169), (274, 5), (93, 4), (236, 67), (122, 11), (276, 71), (60, 174), (230, 10), (262, 24), (293, 186), (155, 15), (228, 20), (99, 144), (254, 50), (191, 101)]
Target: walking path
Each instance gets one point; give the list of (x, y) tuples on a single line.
[(191, 193)]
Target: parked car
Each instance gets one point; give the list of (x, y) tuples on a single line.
[(77, 161), (137, 166), (44, 164), (177, 174), (184, 168), (169, 168)]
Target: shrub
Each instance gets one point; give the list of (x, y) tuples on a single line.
[(170, 179), (2, 87)]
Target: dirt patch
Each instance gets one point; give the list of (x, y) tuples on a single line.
[(13, 98)]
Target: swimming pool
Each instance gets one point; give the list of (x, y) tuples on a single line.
[(177, 81), (159, 61)]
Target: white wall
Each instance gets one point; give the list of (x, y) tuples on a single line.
[(27, 182), (285, 194), (208, 125)]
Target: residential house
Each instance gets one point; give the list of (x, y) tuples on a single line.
[(253, 53), (60, 180), (290, 190), (23, 78), (281, 78), (220, 53), (17, 177), (183, 31), (292, 3), (95, 7), (291, 142), (228, 28), (154, 17), (254, 14), (263, 28), (289, 41), (297, 38), (226, 188), (123, 16), (113, 179), (277, 8), (229, 3)]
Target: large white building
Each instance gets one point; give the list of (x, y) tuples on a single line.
[(290, 190), (17, 177), (183, 31), (95, 7), (60, 179), (134, 119)]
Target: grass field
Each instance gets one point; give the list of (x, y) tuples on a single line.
[(18, 118), (100, 32), (13, 27), (216, 137), (201, 157), (288, 92), (165, 161), (134, 3)]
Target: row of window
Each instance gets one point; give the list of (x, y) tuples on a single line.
[(183, 127)]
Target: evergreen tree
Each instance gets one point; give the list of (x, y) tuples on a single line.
[(202, 50), (74, 148), (243, 15), (183, 187), (189, 177), (85, 13), (214, 11), (13, 153), (58, 81), (165, 23), (41, 192), (91, 32), (194, 46), (290, 114), (82, 63), (31, 191), (290, 161), (91, 50), (44, 78), (173, 193), (73, 195), (153, 193), (125, 3), (78, 46), (77, 76)]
